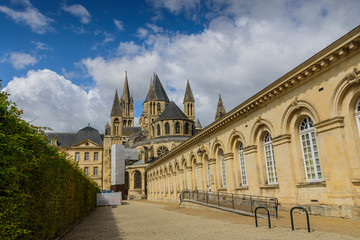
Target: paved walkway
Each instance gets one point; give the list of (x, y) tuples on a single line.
[(150, 220)]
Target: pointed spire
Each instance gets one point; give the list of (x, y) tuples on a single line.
[(198, 125), (116, 110), (220, 111), (189, 97), (156, 90), (126, 93)]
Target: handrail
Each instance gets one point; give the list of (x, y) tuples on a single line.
[(240, 203), (256, 223), (307, 217)]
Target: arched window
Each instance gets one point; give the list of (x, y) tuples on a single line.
[(167, 128), (208, 173), (309, 150), (186, 128), (129, 123), (177, 127), (153, 131), (116, 126), (357, 114), (158, 108), (223, 170), (158, 130), (244, 181), (124, 123), (137, 180), (151, 108), (269, 159)]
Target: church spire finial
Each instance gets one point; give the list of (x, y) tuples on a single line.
[(188, 97), (126, 92)]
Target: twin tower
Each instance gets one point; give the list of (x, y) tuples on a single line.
[(157, 107)]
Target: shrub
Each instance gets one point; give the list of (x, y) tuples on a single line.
[(41, 192)]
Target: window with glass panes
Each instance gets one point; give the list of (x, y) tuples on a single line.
[(86, 170), (357, 114), (242, 165), (309, 150), (96, 156), (95, 171), (223, 170), (269, 159), (86, 156), (208, 172), (77, 156)]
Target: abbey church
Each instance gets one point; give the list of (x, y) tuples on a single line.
[(296, 140), (162, 127)]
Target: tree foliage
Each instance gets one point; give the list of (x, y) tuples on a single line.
[(41, 192)]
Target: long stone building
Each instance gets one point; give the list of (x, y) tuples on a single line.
[(298, 139)]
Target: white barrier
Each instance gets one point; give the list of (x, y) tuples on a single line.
[(108, 199)]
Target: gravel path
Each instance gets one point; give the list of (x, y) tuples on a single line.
[(152, 220)]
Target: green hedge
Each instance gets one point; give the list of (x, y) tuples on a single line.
[(41, 192)]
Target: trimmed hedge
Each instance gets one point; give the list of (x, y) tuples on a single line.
[(41, 192)]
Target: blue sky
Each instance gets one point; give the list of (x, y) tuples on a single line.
[(61, 61)]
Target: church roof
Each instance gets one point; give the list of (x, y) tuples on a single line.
[(156, 91), (189, 97), (126, 92), (220, 111), (173, 112), (116, 110)]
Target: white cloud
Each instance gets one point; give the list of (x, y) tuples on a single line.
[(48, 99), (30, 16), (237, 55), (119, 24), (78, 11), (41, 45), (22, 60)]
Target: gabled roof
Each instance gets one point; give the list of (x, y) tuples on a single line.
[(116, 110), (156, 91), (173, 112), (126, 92), (220, 111), (189, 97)]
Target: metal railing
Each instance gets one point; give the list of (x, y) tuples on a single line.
[(241, 203)]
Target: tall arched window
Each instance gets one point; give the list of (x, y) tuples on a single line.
[(223, 170), (177, 127), (158, 108), (309, 150), (244, 181), (158, 130), (269, 159), (357, 114), (137, 180), (208, 173), (151, 108), (167, 128), (186, 128), (116, 126)]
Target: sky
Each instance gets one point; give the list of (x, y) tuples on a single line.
[(61, 61)]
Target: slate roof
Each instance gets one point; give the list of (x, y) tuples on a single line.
[(116, 110), (189, 97), (156, 91), (69, 139), (173, 112)]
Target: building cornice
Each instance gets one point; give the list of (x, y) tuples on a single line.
[(320, 62)]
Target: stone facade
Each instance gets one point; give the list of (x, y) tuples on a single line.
[(298, 140)]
